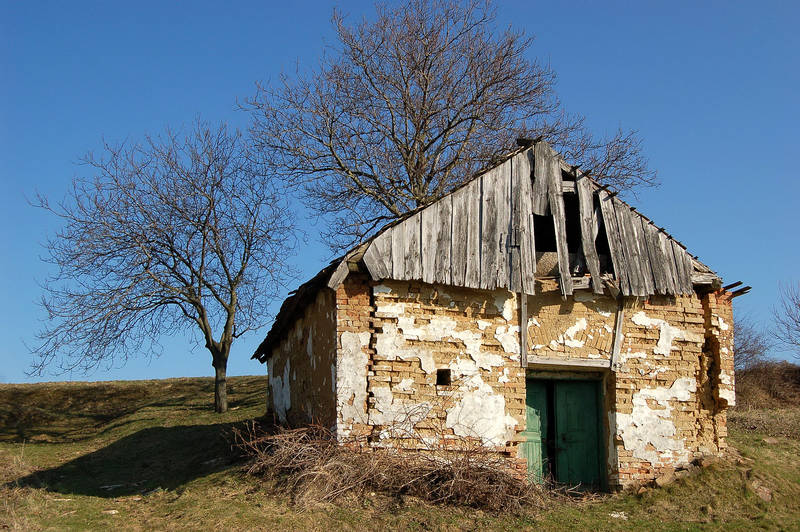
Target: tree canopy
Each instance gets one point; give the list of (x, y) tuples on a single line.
[(405, 107), (180, 230)]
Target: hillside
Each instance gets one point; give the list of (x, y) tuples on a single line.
[(149, 455)]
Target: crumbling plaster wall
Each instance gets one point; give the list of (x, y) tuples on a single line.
[(301, 369), (666, 387), (393, 336), (413, 330)]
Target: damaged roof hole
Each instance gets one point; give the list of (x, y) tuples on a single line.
[(443, 377)]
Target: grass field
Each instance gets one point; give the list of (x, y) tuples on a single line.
[(151, 455)]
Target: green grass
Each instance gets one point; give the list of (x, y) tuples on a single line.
[(152, 455)]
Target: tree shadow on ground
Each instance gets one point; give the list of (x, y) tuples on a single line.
[(152, 458)]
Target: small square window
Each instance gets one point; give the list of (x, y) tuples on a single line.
[(443, 377)]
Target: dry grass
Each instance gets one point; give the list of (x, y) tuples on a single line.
[(768, 385), (313, 467)]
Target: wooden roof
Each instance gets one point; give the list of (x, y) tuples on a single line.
[(482, 235)]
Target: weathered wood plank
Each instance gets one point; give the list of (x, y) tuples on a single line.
[(496, 218), (544, 163), (378, 257), (441, 264), (684, 280), (614, 244), (413, 262), (527, 241), (514, 238), (618, 336), (559, 223), (398, 236), (489, 230), (586, 208), (687, 266), (657, 260), (630, 249), (430, 232), (474, 201), (523, 329), (670, 270), (644, 257), (458, 231), (339, 274)]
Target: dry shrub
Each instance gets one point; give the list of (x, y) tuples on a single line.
[(312, 467), (768, 385)]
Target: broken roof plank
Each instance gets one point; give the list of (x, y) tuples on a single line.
[(544, 162), (644, 256), (522, 167), (657, 259), (514, 240), (684, 279), (614, 243), (560, 226), (630, 249), (670, 269), (588, 223)]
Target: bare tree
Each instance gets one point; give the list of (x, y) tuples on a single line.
[(179, 230), (787, 318), (407, 106), (750, 343)]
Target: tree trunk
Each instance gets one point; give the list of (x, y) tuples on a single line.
[(220, 384)]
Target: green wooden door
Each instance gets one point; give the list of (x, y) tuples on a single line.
[(534, 448), (577, 433)]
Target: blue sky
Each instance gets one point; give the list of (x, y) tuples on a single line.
[(712, 88)]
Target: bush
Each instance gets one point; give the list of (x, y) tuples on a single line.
[(768, 384), (312, 466)]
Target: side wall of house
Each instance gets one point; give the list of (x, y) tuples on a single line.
[(302, 374)]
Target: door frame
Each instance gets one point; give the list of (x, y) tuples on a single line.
[(603, 405)]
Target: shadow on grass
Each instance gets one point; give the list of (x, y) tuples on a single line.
[(152, 458), (70, 413)]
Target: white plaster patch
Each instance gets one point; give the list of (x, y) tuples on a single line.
[(392, 341), (568, 338), (405, 384), (481, 413), (667, 333), (389, 308), (533, 321), (483, 324), (281, 390), (505, 305), (649, 432), (504, 377), (728, 395), (381, 289), (508, 338), (722, 325), (351, 379), (604, 313)]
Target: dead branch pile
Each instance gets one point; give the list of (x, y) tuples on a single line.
[(310, 465)]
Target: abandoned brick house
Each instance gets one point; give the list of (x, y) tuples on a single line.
[(531, 311)]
